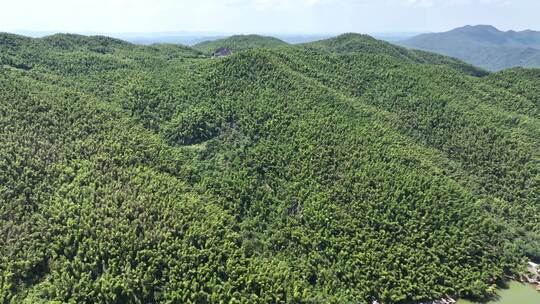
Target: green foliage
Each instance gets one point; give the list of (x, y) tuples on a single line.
[(356, 43), (345, 171), (239, 43), (194, 126), (524, 83)]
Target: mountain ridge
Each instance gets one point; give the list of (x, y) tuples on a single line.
[(484, 46)]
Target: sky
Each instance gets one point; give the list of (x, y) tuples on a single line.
[(265, 16)]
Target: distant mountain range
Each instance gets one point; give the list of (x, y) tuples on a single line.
[(484, 46)]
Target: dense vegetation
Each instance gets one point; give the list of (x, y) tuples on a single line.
[(239, 43), (356, 43), (484, 46), (313, 173)]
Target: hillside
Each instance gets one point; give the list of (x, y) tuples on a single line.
[(483, 46), (239, 43), (295, 174), (357, 43)]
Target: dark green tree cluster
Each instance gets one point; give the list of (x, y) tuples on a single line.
[(324, 173)]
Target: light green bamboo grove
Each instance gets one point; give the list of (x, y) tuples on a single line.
[(341, 171)]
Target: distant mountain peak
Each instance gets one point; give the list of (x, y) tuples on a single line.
[(484, 46), (481, 27)]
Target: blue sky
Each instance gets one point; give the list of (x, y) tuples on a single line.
[(265, 16)]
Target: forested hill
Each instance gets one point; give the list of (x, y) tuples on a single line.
[(484, 46), (298, 174), (358, 43), (239, 43)]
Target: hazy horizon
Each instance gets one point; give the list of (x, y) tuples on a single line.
[(283, 17), (191, 38)]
